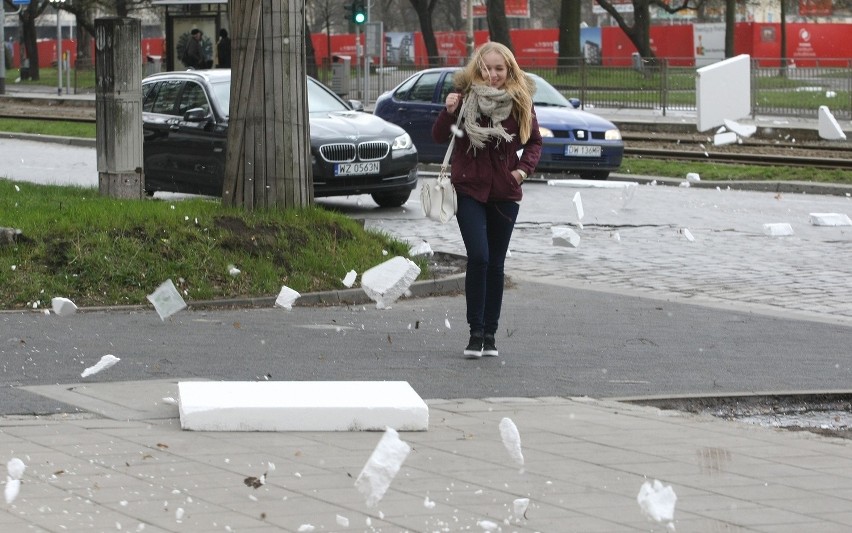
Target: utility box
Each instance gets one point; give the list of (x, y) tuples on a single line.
[(340, 71)]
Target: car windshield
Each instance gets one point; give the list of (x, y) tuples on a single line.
[(547, 95), (319, 99), (222, 94)]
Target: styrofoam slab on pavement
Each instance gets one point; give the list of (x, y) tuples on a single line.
[(592, 184), (301, 406)]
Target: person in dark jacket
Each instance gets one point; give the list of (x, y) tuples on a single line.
[(193, 57), (223, 49), (498, 145)]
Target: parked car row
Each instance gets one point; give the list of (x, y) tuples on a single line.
[(185, 128)]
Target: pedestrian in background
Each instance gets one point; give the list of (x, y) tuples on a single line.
[(498, 147), (193, 56), (223, 49)]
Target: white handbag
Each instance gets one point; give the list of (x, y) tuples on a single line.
[(437, 195)]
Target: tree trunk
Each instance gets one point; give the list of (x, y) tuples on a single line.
[(569, 34), (730, 26), (424, 9), (268, 160), (28, 34), (498, 26)]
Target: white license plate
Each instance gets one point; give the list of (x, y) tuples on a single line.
[(356, 169), (582, 151)]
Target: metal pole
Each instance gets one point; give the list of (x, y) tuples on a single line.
[(470, 40), (58, 52), (3, 43)]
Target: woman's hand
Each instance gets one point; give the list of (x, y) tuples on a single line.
[(518, 177), (452, 102)]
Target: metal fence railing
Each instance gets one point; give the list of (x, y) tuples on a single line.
[(665, 84)]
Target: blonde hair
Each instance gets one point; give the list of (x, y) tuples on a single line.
[(520, 86)]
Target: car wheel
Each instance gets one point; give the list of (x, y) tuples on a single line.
[(391, 199), (594, 175)]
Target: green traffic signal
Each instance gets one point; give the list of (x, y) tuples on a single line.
[(359, 12)]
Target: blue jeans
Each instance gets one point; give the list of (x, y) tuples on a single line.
[(486, 230)]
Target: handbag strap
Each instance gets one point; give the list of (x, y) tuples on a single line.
[(453, 139)]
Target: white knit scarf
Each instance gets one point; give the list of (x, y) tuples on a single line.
[(493, 103)]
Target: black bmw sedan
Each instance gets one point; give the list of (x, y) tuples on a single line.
[(185, 127)]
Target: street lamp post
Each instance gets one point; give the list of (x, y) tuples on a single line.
[(56, 4)]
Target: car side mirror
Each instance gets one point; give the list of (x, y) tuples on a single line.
[(575, 102), (196, 114), (355, 105)]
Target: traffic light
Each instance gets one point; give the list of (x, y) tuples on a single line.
[(359, 12)]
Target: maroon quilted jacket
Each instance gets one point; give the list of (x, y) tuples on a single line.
[(487, 176)]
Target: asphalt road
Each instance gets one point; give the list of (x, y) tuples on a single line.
[(645, 314)]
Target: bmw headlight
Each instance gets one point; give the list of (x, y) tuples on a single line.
[(612, 135), (545, 132), (403, 142)]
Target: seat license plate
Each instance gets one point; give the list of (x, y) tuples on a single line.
[(582, 151), (356, 169)]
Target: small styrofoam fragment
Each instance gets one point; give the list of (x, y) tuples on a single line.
[(63, 306), (286, 297), (688, 234), (15, 467), (349, 280), (386, 282), (724, 138), (166, 299), (106, 361), (422, 248), (578, 205), (382, 466), (743, 130), (233, 271), (342, 521), (657, 501), (520, 506), (693, 177), (829, 129), (562, 236), (830, 219), (778, 229), (684, 184)]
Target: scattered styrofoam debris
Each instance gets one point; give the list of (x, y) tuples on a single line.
[(106, 361), (386, 282), (684, 184), (562, 236), (15, 471), (743, 130), (349, 279), (233, 271), (342, 521), (693, 177), (520, 506), (167, 300), (286, 297), (421, 248), (382, 466), (688, 234), (830, 219), (778, 229), (511, 440), (657, 501), (721, 139), (63, 306), (829, 129)]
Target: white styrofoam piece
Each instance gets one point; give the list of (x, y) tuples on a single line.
[(422, 248), (743, 130), (829, 129), (563, 236), (578, 205), (830, 219), (301, 406), (592, 184), (723, 91), (778, 229), (693, 177), (63, 306), (167, 300), (728, 137), (286, 297), (386, 282), (382, 466), (688, 234)]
